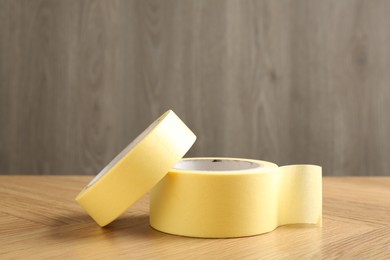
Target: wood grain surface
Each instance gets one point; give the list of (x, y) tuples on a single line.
[(285, 81), (39, 219)]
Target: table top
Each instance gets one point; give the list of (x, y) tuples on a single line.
[(39, 218)]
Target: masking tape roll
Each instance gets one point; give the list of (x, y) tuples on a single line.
[(142, 164), (227, 197)]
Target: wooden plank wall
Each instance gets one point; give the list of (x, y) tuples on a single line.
[(295, 81)]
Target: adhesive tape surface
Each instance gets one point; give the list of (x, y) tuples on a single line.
[(142, 164), (227, 197)]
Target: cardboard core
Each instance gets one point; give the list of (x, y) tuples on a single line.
[(216, 165)]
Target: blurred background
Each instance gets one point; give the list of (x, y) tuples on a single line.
[(290, 82)]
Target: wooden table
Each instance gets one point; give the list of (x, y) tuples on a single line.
[(40, 219)]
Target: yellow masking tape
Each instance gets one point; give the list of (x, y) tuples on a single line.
[(141, 165), (226, 197)]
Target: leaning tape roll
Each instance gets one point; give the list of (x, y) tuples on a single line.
[(142, 164), (227, 197)]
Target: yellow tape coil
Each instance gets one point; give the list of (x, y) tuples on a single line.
[(225, 197), (136, 169)]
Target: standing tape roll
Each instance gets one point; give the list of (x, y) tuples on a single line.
[(202, 197), (140, 166), (227, 197)]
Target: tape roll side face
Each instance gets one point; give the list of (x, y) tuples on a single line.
[(138, 170), (216, 204)]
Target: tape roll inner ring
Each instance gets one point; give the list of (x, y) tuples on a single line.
[(216, 165), (126, 151)]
